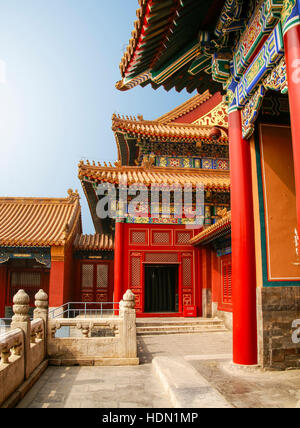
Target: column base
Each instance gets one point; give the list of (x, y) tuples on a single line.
[(277, 309)]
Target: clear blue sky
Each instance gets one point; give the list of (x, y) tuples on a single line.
[(62, 59)]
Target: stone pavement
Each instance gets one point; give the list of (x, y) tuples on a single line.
[(207, 357), (96, 387), (120, 387)]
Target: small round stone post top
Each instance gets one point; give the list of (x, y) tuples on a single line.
[(128, 301), (21, 307), (41, 301)]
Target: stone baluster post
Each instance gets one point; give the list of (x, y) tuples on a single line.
[(128, 334), (41, 311), (21, 319)]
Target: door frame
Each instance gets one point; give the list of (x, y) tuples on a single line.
[(178, 285)]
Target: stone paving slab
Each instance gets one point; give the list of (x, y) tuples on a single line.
[(209, 354), (97, 387), (246, 387), (185, 386), (184, 344)]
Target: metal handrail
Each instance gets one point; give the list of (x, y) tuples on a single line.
[(67, 309)]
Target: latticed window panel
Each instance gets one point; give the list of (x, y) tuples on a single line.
[(87, 277), (102, 276), (139, 237), (30, 282), (187, 276), (227, 282), (135, 275), (161, 238), (161, 257), (183, 238)]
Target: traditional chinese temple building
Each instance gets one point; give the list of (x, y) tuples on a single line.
[(36, 248), (250, 52), (154, 255)]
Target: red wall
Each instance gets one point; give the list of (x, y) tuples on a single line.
[(142, 244)]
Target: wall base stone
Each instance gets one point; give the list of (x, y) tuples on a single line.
[(277, 309)]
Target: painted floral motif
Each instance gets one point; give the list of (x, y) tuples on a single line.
[(287, 13)]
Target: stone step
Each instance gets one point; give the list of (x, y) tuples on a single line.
[(143, 331), (182, 327), (157, 326), (197, 322), (167, 332)]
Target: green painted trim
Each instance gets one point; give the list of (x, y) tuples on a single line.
[(266, 282), (176, 63)]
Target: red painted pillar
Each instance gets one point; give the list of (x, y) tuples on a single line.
[(292, 55), (56, 284), (3, 287), (243, 250), (118, 260)]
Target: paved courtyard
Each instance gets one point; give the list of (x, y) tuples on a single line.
[(209, 354)]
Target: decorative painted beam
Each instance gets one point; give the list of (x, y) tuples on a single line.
[(220, 68), (266, 16), (201, 63), (183, 58), (275, 81), (266, 59), (229, 18)]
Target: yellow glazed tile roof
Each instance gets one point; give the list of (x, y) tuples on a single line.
[(185, 108), (212, 232), (210, 179), (38, 222), (94, 242), (168, 132)]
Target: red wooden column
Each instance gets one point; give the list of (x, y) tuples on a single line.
[(243, 250), (292, 55), (118, 266), (57, 277), (3, 288)]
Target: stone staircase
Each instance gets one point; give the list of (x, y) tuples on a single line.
[(156, 326)]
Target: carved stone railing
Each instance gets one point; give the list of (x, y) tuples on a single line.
[(28, 346), (95, 341), (23, 347), (12, 362)]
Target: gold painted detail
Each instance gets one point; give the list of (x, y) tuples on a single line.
[(217, 116)]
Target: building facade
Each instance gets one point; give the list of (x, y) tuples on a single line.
[(153, 254), (248, 50)]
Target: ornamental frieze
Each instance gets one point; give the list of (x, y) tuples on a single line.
[(217, 116), (266, 16), (276, 81), (265, 60)]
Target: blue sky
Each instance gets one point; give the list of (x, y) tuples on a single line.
[(62, 62)]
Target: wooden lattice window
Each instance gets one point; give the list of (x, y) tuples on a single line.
[(87, 277), (227, 282), (102, 276), (138, 237), (183, 238), (161, 257), (161, 238), (187, 279), (30, 282), (135, 275), (96, 282)]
